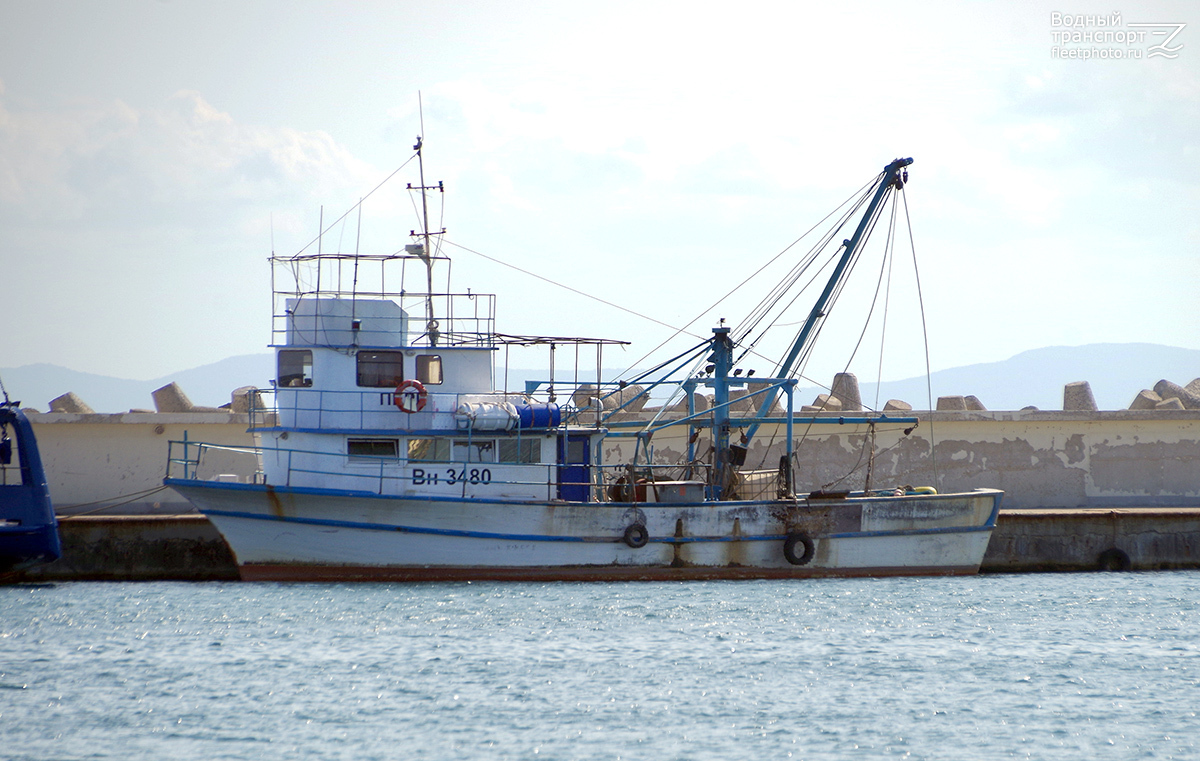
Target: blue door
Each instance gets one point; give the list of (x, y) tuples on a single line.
[(574, 467)]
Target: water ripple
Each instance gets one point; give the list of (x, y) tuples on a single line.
[(1049, 666)]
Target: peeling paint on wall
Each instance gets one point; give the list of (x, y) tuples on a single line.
[(1040, 459)]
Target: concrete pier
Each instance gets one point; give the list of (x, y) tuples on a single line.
[(139, 548), (1082, 489), (1096, 539), (188, 548)]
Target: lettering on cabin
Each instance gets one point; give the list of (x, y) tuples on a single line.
[(451, 476)]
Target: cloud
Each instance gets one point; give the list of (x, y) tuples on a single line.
[(133, 228), (184, 163)]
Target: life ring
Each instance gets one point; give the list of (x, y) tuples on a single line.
[(636, 535), (410, 396), (789, 548)]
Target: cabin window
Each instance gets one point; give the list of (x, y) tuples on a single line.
[(577, 451), (475, 450), (380, 369), (460, 450), (520, 450), (372, 447), (429, 369), (11, 473), (295, 368), (429, 450)]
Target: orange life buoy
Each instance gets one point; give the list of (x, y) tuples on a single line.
[(411, 396)]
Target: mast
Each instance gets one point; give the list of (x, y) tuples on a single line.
[(722, 361), (890, 178), (431, 325)]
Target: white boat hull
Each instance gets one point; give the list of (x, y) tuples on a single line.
[(310, 534)]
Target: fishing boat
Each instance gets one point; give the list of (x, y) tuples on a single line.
[(28, 528), (389, 449)]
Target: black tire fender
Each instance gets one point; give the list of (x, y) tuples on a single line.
[(636, 535), (798, 540)]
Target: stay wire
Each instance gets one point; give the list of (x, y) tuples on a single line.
[(799, 369), (739, 286), (869, 441), (569, 288), (770, 301), (857, 256), (890, 257), (677, 331), (879, 284), (925, 336), (838, 290), (355, 206), (781, 290)]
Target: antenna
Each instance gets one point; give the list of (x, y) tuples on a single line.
[(358, 233), (431, 325)]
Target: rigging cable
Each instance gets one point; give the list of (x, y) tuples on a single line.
[(677, 331), (355, 206), (890, 257), (568, 288), (888, 246), (806, 352), (760, 312), (811, 255), (925, 336)]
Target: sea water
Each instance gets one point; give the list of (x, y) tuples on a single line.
[(1036, 666)]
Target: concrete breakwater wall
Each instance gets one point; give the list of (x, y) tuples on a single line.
[(113, 464), (1040, 459)]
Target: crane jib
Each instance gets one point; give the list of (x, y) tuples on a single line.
[(888, 179)]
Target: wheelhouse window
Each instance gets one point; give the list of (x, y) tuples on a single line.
[(429, 369), (520, 450), (372, 447), (380, 369), (459, 450), (295, 368), (475, 450), (429, 450)]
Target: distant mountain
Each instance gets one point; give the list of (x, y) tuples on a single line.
[(1116, 372), (207, 386)]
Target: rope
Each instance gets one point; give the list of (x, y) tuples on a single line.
[(126, 497), (858, 465)]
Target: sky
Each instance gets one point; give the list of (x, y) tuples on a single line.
[(650, 154)]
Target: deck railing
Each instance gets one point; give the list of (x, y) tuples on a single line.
[(202, 461)]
